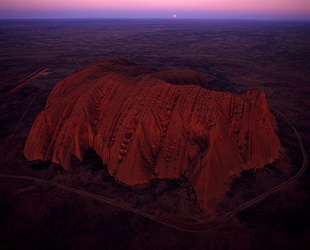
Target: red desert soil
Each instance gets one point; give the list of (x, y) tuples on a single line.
[(146, 124)]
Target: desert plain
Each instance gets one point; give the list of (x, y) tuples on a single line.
[(234, 56)]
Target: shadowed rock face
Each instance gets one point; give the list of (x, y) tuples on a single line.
[(146, 124)]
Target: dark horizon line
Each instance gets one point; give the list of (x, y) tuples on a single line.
[(157, 18)]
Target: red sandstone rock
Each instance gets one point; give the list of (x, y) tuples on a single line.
[(143, 127)]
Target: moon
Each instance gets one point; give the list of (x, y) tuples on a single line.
[(174, 16)]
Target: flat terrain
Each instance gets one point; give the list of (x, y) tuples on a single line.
[(274, 56)]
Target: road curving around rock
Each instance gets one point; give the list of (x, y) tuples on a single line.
[(191, 227)]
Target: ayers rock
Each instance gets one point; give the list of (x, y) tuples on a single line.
[(146, 124)]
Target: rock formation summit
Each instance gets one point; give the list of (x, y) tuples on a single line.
[(146, 124)]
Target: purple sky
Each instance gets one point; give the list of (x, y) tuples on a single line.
[(262, 9)]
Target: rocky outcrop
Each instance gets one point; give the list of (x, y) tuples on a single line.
[(146, 124)]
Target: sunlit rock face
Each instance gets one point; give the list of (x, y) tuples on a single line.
[(146, 124)]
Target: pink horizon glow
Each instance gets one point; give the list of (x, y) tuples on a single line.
[(286, 7)]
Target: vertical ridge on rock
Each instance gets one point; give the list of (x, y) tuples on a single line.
[(146, 124)]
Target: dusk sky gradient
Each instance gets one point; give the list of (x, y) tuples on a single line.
[(261, 9)]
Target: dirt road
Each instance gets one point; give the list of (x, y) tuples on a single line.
[(28, 79), (191, 227)]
